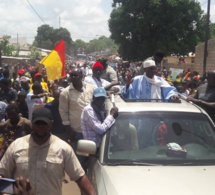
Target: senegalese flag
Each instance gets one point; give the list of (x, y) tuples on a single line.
[(55, 62)]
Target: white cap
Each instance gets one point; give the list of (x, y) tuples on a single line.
[(24, 79), (148, 63)]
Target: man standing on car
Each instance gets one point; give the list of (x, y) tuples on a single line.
[(97, 81), (109, 74), (157, 57), (43, 158), (148, 86)]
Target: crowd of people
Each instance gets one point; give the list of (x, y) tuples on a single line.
[(41, 121)]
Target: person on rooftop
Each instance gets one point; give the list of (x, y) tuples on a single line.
[(148, 86), (97, 81)]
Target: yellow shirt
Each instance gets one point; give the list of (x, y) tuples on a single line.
[(43, 84)]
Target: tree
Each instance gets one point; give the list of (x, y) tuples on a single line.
[(101, 44), (35, 53), (141, 27), (6, 47), (63, 33), (212, 30), (47, 37), (96, 45)]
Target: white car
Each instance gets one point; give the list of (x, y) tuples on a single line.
[(155, 148)]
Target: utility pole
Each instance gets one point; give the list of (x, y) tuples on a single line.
[(0, 55), (206, 38), (17, 40), (59, 21)]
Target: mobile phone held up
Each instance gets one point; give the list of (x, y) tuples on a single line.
[(6, 185)]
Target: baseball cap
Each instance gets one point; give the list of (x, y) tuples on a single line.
[(148, 63), (24, 79), (97, 65), (42, 114), (37, 74), (21, 71), (100, 92)]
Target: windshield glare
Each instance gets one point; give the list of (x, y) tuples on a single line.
[(162, 138)]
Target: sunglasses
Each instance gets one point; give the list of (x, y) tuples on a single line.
[(100, 98)]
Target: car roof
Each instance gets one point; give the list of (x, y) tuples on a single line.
[(141, 105)]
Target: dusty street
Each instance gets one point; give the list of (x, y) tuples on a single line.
[(70, 188)]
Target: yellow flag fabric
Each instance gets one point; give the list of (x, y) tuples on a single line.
[(55, 61), (53, 65)]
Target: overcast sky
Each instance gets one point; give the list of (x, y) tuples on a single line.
[(85, 19)]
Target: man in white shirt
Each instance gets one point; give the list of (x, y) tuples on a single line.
[(72, 101), (43, 158), (35, 99)]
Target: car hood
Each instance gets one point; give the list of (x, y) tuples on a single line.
[(158, 180)]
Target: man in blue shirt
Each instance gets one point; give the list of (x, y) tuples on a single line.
[(148, 86)]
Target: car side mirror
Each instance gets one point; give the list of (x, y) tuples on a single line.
[(86, 147)]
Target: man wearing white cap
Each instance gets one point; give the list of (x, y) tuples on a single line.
[(148, 86)]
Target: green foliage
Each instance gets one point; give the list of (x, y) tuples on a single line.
[(212, 30), (15, 53), (141, 27), (101, 44), (47, 37), (7, 48), (35, 53)]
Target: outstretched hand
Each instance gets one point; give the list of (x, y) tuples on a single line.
[(175, 97), (195, 101), (114, 112), (128, 78)]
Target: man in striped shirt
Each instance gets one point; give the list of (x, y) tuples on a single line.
[(94, 119)]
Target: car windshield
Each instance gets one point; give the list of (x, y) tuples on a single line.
[(162, 138)]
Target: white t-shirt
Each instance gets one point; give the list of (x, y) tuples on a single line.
[(34, 103)]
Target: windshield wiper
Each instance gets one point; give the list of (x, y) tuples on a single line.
[(190, 164), (134, 162)]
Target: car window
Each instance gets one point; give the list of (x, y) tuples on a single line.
[(161, 137)]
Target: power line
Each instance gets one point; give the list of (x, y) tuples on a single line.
[(35, 11), (204, 3)]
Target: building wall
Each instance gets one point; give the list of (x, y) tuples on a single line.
[(199, 57), (210, 61), (15, 64)]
